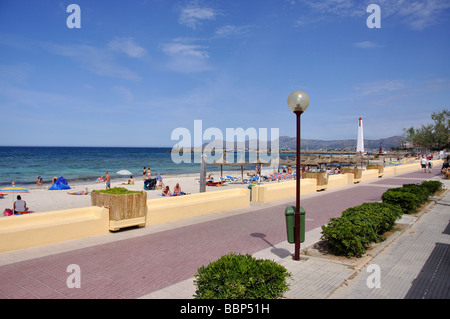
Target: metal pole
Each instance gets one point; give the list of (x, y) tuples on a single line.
[(203, 174), (297, 193)]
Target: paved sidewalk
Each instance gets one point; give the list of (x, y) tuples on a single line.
[(414, 266), (159, 261)]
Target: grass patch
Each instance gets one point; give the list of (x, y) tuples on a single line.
[(117, 191)]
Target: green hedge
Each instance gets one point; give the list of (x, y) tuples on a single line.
[(117, 191), (236, 276), (433, 186), (408, 202), (410, 196), (350, 234)]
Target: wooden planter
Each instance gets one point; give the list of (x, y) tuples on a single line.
[(321, 177), (380, 169), (124, 210), (357, 173)]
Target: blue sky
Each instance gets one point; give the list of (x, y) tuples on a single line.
[(137, 70)]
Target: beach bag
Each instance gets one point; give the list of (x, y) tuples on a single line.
[(8, 212)]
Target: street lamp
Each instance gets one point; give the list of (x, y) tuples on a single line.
[(298, 102)]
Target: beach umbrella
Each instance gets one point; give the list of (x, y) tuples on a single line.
[(13, 190), (222, 161)]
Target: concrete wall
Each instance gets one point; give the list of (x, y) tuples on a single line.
[(400, 169), (19, 232), (23, 231), (165, 209), (369, 174), (276, 191), (339, 180), (389, 171), (283, 190)]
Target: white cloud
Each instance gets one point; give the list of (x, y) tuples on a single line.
[(366, 45), (187, 50), (186, 57), (416, 14), (378, 87), (229, 31), (97, 60), (127, 46), (193, 15)]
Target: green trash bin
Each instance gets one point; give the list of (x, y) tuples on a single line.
[(289, 213), (250, 188)]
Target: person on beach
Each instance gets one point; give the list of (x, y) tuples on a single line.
[(149, 173), (20, 205), (177, 189), (159, 179), (144, 173), (80, 192), (39, 181), (430, 166), (423, 163), (13, 183), (131, 181), (166, 191), (107, 180)]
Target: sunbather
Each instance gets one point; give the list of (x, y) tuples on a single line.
[(79, 193), (177, 189), (166, 191)]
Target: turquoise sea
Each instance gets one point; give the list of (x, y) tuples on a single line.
[(77, 164)]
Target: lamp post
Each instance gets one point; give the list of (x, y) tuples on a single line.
[(298, 102)]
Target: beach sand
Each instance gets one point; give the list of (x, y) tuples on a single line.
[(40, 199)]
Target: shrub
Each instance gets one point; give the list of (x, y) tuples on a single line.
[(343, 237), (408, 202), (421, 192), (359, 226), (410, 196), (432, 186), (236, 276)]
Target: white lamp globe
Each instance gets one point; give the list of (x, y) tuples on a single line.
[(298, 101)]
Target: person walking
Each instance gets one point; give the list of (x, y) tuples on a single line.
[(107, 180), (423, 163)]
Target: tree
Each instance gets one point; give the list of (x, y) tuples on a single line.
[(434, 137)]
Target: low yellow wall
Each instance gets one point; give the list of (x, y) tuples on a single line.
[(390, 170), (339, 180), (400, 169), (167, 209), (24, 231), (369, 174), (276, 191), (19, 232)]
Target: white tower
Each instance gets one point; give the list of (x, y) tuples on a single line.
[(360, 142)]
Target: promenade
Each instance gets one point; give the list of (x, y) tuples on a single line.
[(160, 261)]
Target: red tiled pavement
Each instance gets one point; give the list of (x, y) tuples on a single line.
[(134, 267)]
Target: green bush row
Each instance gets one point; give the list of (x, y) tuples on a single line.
[(117, 191), (359, 226), (236, 276), (350, 234), (410, 196)]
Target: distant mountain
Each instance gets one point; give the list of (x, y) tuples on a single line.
[(386, 143), (286, 142)]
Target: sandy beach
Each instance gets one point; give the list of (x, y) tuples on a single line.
[(40, 199)]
